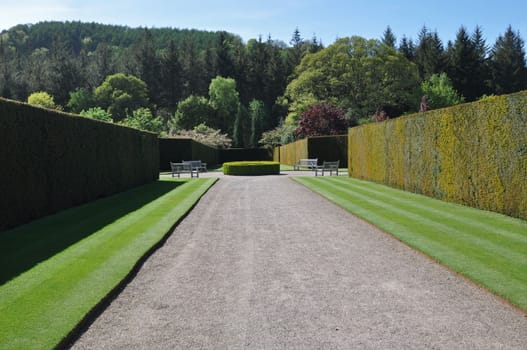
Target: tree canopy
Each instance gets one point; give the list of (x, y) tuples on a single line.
[(162, 68), (121, 94), (358, 75)]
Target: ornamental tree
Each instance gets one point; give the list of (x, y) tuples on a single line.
[(321, 119), (42, 99), (121, 94)]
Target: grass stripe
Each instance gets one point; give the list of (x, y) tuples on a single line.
[(481, 250), (40, 306), (434, 230), (487, 271), (501, 224), (416, 220), (455, 226)]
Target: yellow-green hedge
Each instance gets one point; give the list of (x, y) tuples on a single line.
[(325, 148), (291, 152), (473, 154)]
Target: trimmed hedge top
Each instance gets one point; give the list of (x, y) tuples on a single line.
[(251, 168)]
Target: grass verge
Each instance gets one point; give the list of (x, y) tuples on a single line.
[(41, 306), (486, 247)]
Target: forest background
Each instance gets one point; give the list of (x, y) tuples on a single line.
[(246, 94)]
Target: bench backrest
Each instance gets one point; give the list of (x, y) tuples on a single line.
[(331, 165), (308, 162), (193, 163), (176, 167)]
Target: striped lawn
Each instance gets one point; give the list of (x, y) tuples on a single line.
[(487, 247), (39, 307)]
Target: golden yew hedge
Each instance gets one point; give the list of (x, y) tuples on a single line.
[(291, 152), (473, 154)]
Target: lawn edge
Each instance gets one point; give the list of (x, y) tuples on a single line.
[(420, 252), (82, 326)]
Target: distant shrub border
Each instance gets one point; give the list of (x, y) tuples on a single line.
[(251, 168)]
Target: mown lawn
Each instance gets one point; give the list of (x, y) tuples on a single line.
[(487, 247), (56, 269)]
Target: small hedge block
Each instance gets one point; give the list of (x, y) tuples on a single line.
[(251, 168)]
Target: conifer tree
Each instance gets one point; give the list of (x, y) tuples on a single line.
[(389, 38), (429, 54), (407, 48), (171, 77), (507, 63), (148, 65), (465, 67)]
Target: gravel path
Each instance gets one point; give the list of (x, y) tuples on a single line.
[(263, 263)]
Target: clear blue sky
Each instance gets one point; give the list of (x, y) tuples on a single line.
[(327, 19)]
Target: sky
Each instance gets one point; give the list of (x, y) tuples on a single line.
[(325, 19)]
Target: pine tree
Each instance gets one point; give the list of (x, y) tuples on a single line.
[(193, 83), (171, 77), (429, 54), (224, 64), (149, 66), (275, 81), (295, 52), (407, 48), (65, 72), (462, 65), (507, 63), (389, 38), (102, 65), (482, 74)]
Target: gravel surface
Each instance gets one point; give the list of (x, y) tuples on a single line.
[(263, 263)]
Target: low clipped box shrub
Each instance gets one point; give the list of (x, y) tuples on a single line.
[(251, 168)]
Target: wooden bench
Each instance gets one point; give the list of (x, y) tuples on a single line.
[(197, 165), (310, 163), (181, 168), (328, 166)]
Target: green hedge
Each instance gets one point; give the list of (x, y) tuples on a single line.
[(52, 160), (174, 150), (473, 154), (178, 149), (329, 148), (325, 148), (251, 168)]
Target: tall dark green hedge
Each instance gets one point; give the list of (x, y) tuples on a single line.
[(51, 161), (329, 148), (178, 149), (173, 150)]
